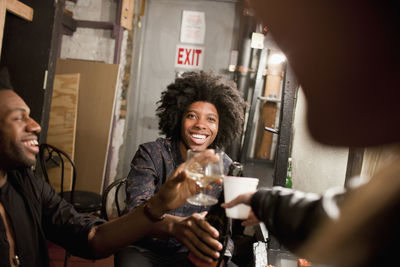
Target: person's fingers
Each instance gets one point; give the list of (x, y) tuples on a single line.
[(241, 199), (251, 220), (190, 183), (216, 181), (176, 190), (180, 180), (201, 249), (200, 255), (202, 227), (203, 214), (178, 175), (199, 242)]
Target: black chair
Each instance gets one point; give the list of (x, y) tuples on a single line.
[(83, 201), (114, 205)]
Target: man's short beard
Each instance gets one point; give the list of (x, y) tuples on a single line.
[(16, 161)]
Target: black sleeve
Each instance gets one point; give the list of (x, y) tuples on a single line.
[(291, 215), (63, 225)]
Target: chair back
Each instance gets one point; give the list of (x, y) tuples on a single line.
[(56, 163), (113, 199)]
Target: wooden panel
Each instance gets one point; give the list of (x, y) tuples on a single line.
[(20, 9), (3, 10), (62, 123), (95, 109), (268, 115), (127, 13), (274, 78)]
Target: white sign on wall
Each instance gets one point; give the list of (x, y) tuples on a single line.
[(193, 27), (257, 40), (189, 57)]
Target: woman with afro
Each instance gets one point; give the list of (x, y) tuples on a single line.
[(198, 111)]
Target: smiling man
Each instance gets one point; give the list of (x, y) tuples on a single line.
[(197, 111), (18, 146)]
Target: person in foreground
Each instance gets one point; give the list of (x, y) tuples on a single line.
[(32, 212), (346, 57), (198, 111)]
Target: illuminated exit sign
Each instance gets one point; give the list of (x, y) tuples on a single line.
[(189, 57)]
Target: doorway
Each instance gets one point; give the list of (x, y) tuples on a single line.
[(155, 45)]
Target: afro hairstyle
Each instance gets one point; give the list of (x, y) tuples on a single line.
[(206, 87)]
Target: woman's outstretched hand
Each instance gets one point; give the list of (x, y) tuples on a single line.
[(179, 186)]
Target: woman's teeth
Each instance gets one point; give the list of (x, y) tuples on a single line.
[(199, 136)]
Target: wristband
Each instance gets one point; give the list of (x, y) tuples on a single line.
[(149, 215)]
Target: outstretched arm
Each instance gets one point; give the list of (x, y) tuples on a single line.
[(107, 238), (288, 214)]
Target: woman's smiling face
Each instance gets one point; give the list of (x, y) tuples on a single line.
[(199, 126)]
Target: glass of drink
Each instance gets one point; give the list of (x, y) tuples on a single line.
[(203, 175)]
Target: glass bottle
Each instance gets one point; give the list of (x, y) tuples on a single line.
[(235, 169), (289, 182), (216, 216)]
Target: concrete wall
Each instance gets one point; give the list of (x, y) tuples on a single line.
[(90, 44), (316, 167)]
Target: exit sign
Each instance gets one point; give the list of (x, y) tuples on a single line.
[(189, 57)]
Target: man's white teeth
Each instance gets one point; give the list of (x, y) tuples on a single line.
[(31, 143), (199, 136)]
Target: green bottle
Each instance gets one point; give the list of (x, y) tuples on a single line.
[(289, 183)]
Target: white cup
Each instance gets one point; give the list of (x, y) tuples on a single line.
[(234, 186)]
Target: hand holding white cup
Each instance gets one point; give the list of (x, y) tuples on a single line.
[(235, 186)]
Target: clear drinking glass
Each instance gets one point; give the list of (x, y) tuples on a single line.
[(203, 175)]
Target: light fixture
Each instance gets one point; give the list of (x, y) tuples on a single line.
[(276, 59)]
